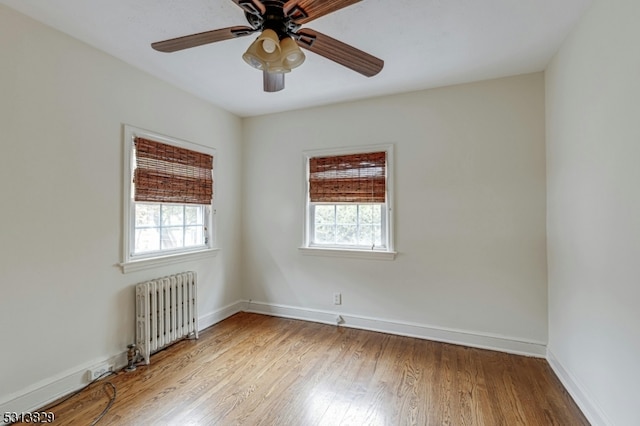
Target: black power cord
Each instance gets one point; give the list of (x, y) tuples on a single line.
[(112, 399)]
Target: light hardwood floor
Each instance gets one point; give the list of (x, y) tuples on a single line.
[(258, 370)]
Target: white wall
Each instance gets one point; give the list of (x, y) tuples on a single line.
[(469, 213), (64, 302), (593, 137), (470, 209)]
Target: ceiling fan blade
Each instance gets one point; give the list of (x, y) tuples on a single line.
[(253, 7), (339, 52), (193, 40), (303, 11), (273, 82)]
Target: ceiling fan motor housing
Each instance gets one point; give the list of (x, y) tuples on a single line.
[(273, 17)]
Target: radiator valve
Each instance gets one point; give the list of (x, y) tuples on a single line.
[(133, 355)]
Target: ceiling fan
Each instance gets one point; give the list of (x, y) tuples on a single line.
[(277, 50)]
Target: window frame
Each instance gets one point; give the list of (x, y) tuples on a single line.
[(384, 253), (133, 262)]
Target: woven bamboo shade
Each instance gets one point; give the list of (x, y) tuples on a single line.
[(169, 174), (354, 178)]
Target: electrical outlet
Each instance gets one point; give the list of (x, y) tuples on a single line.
[(337, 298), (99, 371)]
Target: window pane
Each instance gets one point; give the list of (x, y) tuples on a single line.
[(147, 214), (347, 214), (172, 238), (377, 213), (348, 224), (346, 234), (168, 227), (325, 234), (193, 236), (325, 214), (366, 213), (172, 215), (377, 231), (147, 239), (194, 215), (365, 235)]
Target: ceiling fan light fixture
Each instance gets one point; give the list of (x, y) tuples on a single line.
[(292, 55), (269, 45), (277, 67), (252, 57)]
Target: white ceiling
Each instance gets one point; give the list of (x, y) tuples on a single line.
[(424, 43)]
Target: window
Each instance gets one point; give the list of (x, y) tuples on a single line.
[(168, 227), (348, 202), (169, 199)]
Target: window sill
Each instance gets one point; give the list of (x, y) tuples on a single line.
[(139, 265), (356, 254)]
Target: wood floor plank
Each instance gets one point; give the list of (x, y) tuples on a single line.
[(259, 370)]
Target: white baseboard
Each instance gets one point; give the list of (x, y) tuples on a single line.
[(47, 391), (458, 337), (218, 315), (590, 409)]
